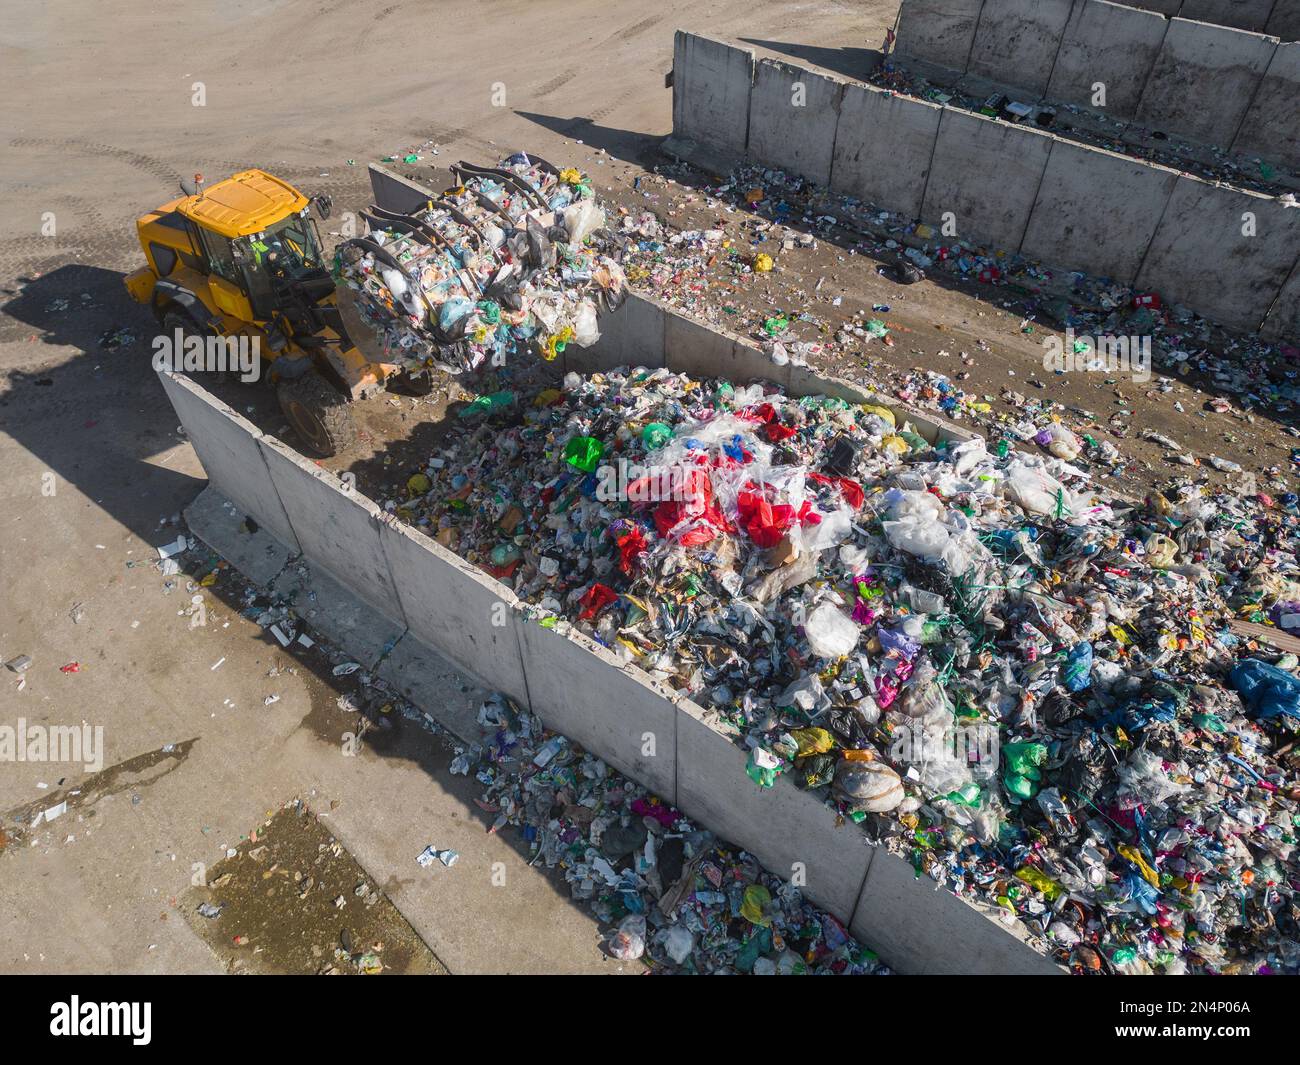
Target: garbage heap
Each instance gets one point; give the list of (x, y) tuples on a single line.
[(505, 264), (1033, 695)]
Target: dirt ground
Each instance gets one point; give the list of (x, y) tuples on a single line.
[(100, 125)]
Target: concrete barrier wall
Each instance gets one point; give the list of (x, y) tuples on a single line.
[(883, 147), (1111, 44), (227, 446), (455, 613), (1203, 81), (1206, 243), (1240, 14), (1283, 323), (793, 114), (455, 607), (711, 89), (1284, 22), (1271, 126), (987, 174), (1179, 76), (1017, 40), (1018, 189), (337, 528), (1069, 225), (938, 32)]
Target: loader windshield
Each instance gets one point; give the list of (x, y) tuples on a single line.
[(282, 255)]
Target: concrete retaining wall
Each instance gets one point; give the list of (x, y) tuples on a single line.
[(1067, 226), (1018, 189), (987, 173), (1017, 41), (883, 147), (938, 32), (1203, 80), (1200, 246), (1178, 76), (452, 612), (1284, 22), (1239, 14), (793, 114), (1111, 44), (711, 86), (1271, 126)]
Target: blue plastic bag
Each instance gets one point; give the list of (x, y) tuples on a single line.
[(1266, 690)]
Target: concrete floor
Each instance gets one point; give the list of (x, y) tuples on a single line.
[(99, 125)]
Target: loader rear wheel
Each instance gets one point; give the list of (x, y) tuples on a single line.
[(319, 414)]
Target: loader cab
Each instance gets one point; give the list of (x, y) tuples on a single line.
[(259, 247)]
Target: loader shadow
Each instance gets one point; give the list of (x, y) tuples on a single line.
[(96, 419)]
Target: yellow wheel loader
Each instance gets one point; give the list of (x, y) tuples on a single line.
[(243, 259)]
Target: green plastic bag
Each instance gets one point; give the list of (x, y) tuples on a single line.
[(656, 434), (584, 453), (487, 404), (1022, 760)]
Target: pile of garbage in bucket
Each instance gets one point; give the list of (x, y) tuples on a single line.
[(502, 264), (1032, 694)]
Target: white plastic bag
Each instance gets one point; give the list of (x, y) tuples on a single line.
[(831, 633)]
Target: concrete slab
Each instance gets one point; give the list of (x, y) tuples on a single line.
[(711, 89), (631, 336), (226, 443), (337, 612), (1250, 15), (987, 174), (221, 525), (938, 33), (793, 114), (1201, 257), (435, 685), (1017, 40), (792, 832), (701, 351), (1096, 210), (337, 528), (883, 148), (1271, 126), (905, 913), (456, 609), (578, 688), (1203, 81), (1089, 55)]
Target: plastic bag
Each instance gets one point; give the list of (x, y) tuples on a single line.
[(831, 633), (628, 941)]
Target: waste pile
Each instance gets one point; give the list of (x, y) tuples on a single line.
[(676, 898), (504, 264), (1036, 696), (707, 272)]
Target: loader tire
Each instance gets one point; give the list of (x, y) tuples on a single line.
[(174, 318), (319, 414)]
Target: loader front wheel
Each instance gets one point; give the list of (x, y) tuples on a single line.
[(319, 414)]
